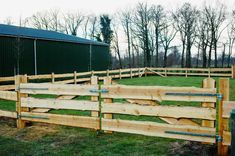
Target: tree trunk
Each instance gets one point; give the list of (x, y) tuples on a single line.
[(165, 56), (182, 56), (157, 46), (215, 47), (209, 57)]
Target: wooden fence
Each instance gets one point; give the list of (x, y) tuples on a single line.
[(119, 74), (177, 121)]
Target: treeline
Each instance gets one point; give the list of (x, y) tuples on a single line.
[(185, 37)]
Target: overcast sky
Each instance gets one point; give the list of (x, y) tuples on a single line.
[(16, 9), (25, 8)]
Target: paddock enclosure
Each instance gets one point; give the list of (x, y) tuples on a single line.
[(32, 51), (204, 116)]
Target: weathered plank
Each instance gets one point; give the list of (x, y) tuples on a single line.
[(158, 129), (228, 106), (62, 97), (8, 95), (142, 102), (157, 93), (180, 121), (67, 120), (8, 114), (59, 104), (227, 138), (6, 79), (162, 111), (58, 89), (7, 87)]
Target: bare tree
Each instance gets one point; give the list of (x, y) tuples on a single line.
[(92, 26), (166, 36), (8, 21), (186, 22), (231, 37), (55, 20), (215, 18), (141, 22), (41, 20), (126, 24), (157, 13), (115, 44), (72, 22)]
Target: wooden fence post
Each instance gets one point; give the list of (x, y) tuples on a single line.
[(208, 83), (94, 81), (165, 72), (145, 71), (75, 77), (233, 72), (20, 79), (52, 78), (131, 73), (209, 72), (107, 73), (92, 73), (120, 73), (139, 72), (186, 72), (108, 81), (223, 123)]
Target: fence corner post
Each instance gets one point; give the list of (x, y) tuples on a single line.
[(120, 73), (223, 123), (18, 80)]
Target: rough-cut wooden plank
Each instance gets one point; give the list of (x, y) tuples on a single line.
[(162, 111), (142, 102), (58, 89), (66, 97), (228, 106), (155, 72), (174, 121), (8, 114), (157, 93), (6, 79), (158, 129), (40, 110), (179, 121), (62, 97), (227, 138), (8, 95), (67, 120), (59, 104), (7, 87)]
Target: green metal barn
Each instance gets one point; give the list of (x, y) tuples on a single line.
[(42, 52)]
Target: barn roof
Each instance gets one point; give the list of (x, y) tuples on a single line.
[(10, 30)]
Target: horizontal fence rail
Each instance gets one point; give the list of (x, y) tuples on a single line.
[(8, 83)]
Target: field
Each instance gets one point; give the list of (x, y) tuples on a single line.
[(42, 139)]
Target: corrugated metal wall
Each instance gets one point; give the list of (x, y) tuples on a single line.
[(52, 56), (10, 48)]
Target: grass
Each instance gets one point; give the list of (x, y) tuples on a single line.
[(78, 141)]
